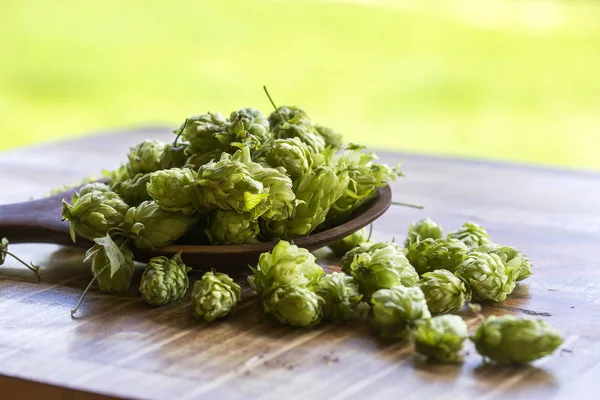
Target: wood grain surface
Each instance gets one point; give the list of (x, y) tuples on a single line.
[(118, 346)]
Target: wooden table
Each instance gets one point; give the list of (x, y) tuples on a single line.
[(119, 346)]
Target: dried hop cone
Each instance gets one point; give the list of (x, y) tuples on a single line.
[(145, 157), (292, 154), (134, 191), (368, 247), (294, 305), (432, 254), (508, 339), (422, 229), (175, 190), (488, 276), (231, 227), (164, 280), (214, 296), (472, 235), (513, 258), (343, 246), (341, 296), (396, 309), (444, 292), (440, 338)]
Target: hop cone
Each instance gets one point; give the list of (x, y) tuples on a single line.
[(315, 191), (175, 190), (89, 188), (214, 296), (145, 157), (513, 258), (422, 229), (297, 128), (343, 246), (197, 160), (348, 258), (382, 269), (294, 305), (440, 338), (112, 265), (431, 254), (149, 226), (134, 191), (341, 296), (472, 235), (292, 154), (173, 156), (395, 309), (164, 280), (3, 249), (285, 265), (331, 137), (231, 227), (200, 132), (94, 213), (246, 127), (118, 175), (288, 113), (443, 291), (508, 339), (487, 276)]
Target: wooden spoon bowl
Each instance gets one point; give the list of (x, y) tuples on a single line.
[(39, 221)]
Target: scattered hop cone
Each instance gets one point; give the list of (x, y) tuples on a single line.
[(513, 258), (94, 213), (294, 305), (285, 265), (231, 227), (288, 113), (472, 235), (175, 190), (332, 138), (3, 249), (292, 154), (422, 229), (297, 128), (382, 269), (343, 246), (200, 132), (395, 309), (440, 338), (508, 339), (174, 156), (117, 258), (164, 280), (341, 296), (150, 227), (443, 291), (432, 254), (145, 157), (368, 247), (134, 191), (214, 296), (487, 276)]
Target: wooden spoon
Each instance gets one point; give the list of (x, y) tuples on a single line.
[(39, 221)]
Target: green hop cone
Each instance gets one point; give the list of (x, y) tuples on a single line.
[(382, 269), (440, 338), (298, 128), (292, 154), (332, 138), (397, 308), (149, 226), (231, 227), (245, 127), (288, 113), (175, 190), (174, 156), (200, 132), (94, 213), (444, 292), (432, 254), (285, 265), (164, 280), (508, 339), (368, 247), (341, 296), (294, 305), (89, 188), (134, 191), (118, 175), (214, 296), (144, 157), (3, 249), (348, 243), (472, 235), (197, 160), (513, 258), (112, 264), (422, 229), (488, 276)]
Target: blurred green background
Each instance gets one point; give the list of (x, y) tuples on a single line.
[(512, 80)]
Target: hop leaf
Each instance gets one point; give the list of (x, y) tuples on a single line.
[(341, 296), (231, 227), (513, 258), (488, 276), (331, 137), (343, 246), (294, 305), (395, 309), (145, 157), (292, 154), (440, 338), (508, 339), (431, 254), (149, 226), (368, 247), (214, 296), (422, 229), (472, 235), (175, 190), (112, 264), (164, 280), (382, 269), (443, 291), (134, 191)]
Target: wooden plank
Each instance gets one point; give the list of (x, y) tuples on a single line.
[(118, 346)]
